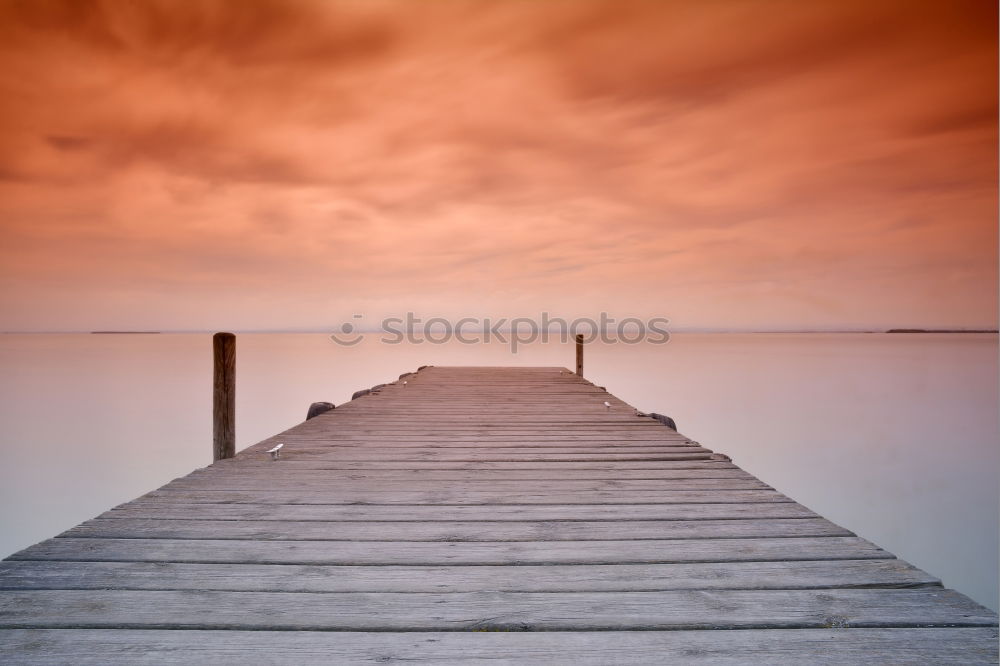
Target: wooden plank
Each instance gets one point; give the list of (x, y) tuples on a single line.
[(441, 445), (502, 425), (501, 422), (142, 508), (417, 426), (476, 413), (490, 611), (802, 574), (269, 530), (787, 647), (437, 432), (259, 462), (480, 447), (264, 473), (453, 552), (486, 455), (281, 482), (580, 441), (447, 496)]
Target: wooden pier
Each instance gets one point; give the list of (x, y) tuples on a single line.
[(476, 515)]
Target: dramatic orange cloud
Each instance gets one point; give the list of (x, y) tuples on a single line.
[(282, 165)]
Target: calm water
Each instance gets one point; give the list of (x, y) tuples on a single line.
[(894, 437)]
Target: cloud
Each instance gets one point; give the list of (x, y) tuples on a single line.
[(651, 154), (261, 33)]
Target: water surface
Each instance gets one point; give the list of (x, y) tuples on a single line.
[(893, 436)]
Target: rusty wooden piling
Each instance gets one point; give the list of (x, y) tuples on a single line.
[(579, 354), (224, 396)]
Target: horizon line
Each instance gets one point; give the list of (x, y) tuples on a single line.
[(900, 330)]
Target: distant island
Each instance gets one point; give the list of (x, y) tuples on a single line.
[(940, 330)]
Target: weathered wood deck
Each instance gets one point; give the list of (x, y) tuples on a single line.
[(499, 515)]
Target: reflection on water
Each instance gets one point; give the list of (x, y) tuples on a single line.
[(892, 436)]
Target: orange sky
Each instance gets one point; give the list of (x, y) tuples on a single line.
[(283, 165)]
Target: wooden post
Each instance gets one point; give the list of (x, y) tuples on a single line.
[(224, 397), (579, 354)]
